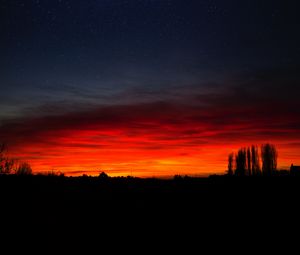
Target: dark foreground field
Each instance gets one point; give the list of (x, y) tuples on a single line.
[(249, 210)]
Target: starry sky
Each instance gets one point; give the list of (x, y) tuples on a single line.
[(148, 87)]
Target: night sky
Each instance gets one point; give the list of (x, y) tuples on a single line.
[(148, 87)]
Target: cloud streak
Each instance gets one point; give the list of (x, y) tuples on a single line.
[(188, 134)]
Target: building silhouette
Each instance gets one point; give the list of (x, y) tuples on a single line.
[(295, 170)]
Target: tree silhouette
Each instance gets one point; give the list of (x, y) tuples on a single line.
[(9, 165), (269, 159), (249, 161), (255, 160), (103, 176), (240, 160), (230, 164), (6, 164), (2, 157), (24, 169)]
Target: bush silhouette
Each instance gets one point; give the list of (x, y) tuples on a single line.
[(103, 176), (6, 164), (24, 169)]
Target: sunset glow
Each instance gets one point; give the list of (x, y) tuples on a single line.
[(148, 88), (145, 140)]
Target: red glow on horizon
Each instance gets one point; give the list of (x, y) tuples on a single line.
[(148, 140), (138, 156)]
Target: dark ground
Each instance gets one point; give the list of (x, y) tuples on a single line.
[(204, 211)]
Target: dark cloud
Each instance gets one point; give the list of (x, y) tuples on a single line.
[(240, 108)]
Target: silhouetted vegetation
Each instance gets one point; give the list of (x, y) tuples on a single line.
[(255, 165), (55, 173), (269, 159), (7, 164), (10, 165), (247, 161), (230, 164), (4, 164), (103, 200), (24, 169), (241, 162), (68, 205), (103, 176)]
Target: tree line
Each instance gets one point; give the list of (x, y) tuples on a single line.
[(10, 165), (249, 162)]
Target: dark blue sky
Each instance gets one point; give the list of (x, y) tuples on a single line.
[(105, 51)]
